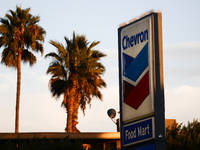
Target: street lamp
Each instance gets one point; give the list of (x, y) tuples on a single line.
[(112, 113)]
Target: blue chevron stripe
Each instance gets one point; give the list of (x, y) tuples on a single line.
[(138, 65), (126, 61)]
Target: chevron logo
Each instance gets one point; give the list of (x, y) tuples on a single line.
[(136, 78)]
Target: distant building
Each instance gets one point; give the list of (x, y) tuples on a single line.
[(169, 122)]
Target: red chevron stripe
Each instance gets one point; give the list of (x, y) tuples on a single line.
[(138, 93), (127, 88)]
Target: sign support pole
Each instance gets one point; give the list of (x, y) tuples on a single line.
[(159, 83)]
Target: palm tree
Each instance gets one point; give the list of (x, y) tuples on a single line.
[(20, 33), (76, 74)]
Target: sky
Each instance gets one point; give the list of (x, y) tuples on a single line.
[(99, 21)]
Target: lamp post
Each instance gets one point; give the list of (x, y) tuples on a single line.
[(112, 113)]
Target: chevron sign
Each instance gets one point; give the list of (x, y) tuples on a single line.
[(136, 91), (141, 83), (136, 69)]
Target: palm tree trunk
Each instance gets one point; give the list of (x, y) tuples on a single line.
[(70, 106), (18, 91), (75, 113), (69, 116)]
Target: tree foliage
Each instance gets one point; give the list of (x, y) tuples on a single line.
[(184, 137), (20, 33), (76, 73)]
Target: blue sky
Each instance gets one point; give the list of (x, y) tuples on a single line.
[(99, 20)]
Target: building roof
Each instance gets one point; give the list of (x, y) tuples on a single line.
[(59, 135)]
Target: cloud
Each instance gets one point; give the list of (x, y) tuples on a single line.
[(32, 73), (182, 81), (7, 77), (44, 78), (7, 118), (7, 84), (182, 103), (185, 51), (38, 113), (111, 53), (181, 64), (184, 45)]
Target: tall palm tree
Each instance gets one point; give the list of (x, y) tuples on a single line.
[(76, 74), (20, 33)]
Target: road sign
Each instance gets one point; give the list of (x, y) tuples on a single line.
[(139, 131)]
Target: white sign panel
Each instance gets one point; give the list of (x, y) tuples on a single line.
[(137, 66)]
